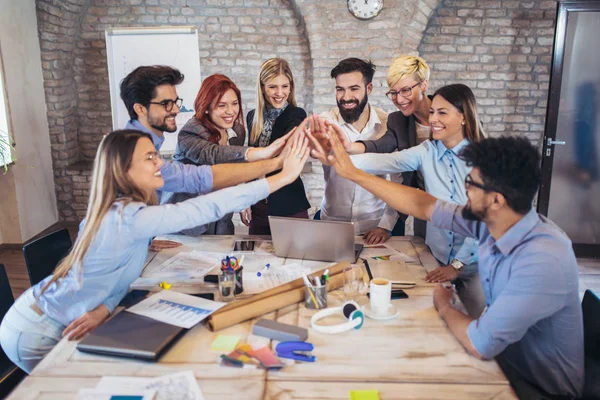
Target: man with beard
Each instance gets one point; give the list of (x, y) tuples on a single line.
[(533, 323), (358, 120)]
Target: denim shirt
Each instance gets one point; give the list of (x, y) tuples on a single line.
[(444, 173), (117, 253), (530, 279)]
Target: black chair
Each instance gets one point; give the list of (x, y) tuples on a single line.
[(10, 374), (590, 307), (44, 254)]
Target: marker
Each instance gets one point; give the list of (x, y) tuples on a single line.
[(262, 271)]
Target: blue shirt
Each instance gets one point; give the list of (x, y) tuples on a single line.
[(444, 174), (178, 177), (117, 253), (531, 284)]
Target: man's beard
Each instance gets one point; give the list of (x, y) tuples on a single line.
[(468, 213), (351, 116), (162, 125)]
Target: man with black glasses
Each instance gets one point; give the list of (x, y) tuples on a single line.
[(533, 323)]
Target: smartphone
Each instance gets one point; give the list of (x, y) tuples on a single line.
[(244, 245), (396, 294)]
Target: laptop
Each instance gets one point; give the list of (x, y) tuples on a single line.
[(309, 239), (131, 335)]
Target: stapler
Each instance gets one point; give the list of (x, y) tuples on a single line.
[(295, 351)]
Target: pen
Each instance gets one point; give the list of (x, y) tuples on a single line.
[(262, 271)]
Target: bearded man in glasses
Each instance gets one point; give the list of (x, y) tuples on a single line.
[(533, 324)]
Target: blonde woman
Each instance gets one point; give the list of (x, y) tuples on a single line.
[(113, 242), (276, 114)]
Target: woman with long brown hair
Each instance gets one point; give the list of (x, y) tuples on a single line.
[(112, 245)]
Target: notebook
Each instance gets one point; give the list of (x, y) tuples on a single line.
[(396, 271), (131, 335)]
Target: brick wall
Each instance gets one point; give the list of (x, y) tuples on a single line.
[(501, 49)]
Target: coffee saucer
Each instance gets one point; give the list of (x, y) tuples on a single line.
[(392, 312)]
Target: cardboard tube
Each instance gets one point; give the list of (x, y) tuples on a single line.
[(226, 316)]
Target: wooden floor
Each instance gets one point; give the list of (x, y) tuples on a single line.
[(589, 271)]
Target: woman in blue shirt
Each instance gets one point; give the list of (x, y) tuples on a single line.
[(454, 123), (110, 251)]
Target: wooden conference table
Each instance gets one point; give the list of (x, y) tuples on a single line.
[(413, 356)]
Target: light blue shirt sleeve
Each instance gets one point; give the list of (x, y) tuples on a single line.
[(448, 216), (468, 251), (399, 161), (158, 220), (186, 178), (533, 292), (113, 300)]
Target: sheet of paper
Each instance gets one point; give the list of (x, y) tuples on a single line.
[(179, 386), (383, 252), (176, 308), (364, 395), (224, 343), (193, 264), (115, 394), (275, 276)]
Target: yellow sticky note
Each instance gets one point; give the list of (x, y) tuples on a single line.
[(364, 395), (224, 343)]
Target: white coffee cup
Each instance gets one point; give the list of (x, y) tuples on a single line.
[(381, 295)]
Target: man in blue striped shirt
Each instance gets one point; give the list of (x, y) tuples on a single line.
[(533, 323)]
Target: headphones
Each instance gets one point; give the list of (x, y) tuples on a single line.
[(351, 311)]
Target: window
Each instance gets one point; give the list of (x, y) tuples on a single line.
[(5, 139)]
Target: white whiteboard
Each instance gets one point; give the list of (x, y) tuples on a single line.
[(177, 47)]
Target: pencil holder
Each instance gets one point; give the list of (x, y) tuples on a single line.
[(239, 282), (315, 297)]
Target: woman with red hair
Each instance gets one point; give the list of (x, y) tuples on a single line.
[(215, 135)]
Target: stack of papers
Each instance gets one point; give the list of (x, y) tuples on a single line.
[(179, 386), (274, 277)]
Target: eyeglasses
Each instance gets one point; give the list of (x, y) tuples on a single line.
[(168, 104), (470, 182), (405, 92)]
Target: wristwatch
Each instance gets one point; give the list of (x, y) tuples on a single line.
[(458, 265)]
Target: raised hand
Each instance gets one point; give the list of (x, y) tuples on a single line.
[(340, 159), (297, 156), (272, 150)]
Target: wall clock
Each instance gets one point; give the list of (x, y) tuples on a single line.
[(365, 9)]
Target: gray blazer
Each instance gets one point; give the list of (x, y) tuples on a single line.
[(193, 147)]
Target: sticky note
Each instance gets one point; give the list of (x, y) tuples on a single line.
[(224, 343), (364, 395)]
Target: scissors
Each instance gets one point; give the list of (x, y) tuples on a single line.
[(229, 263)]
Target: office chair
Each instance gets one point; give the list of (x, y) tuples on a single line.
[(10, 374), (590, 307), (43, 255)]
